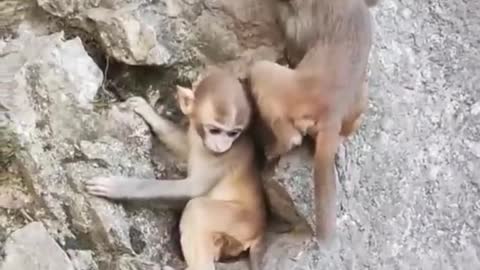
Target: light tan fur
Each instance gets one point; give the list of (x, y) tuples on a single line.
[(328, 44), (225, 214)]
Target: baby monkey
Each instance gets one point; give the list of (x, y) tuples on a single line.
[(328, 44), (225, 214)]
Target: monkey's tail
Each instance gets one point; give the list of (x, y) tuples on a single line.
[(371, 3), (325, 186)]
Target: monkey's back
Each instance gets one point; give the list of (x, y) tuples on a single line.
[(323, 29)]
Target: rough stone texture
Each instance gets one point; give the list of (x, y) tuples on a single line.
[(32, 248), (48, 86), (176, 32), (289, 192), (408, 192), (66, 8), (82, 259), (12, 12), (409, 181), (11, 198), (128, 39)]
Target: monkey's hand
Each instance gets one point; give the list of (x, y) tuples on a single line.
[(110, 187), (169, 133), (283, 146), (140, 106)]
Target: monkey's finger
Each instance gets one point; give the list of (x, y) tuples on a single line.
[(90, 186), (95, 186), (135, 102), (98, 180), (98, 191)]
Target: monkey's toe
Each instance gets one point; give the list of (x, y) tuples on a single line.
[(273, 153), (296, 140)]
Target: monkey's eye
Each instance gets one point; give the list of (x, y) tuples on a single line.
[(214, 131), (233, 133)]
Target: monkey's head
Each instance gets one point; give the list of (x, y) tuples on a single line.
[(218, 108)]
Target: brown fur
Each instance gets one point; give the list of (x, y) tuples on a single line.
[(225, 214), (328, 42)]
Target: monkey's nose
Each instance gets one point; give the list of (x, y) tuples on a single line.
[(220, 147)]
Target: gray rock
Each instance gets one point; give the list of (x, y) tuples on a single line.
[(66, 8), (32, 248), (48, 90), (82, 259), (290, 188), (11, 198), (13, 12), (129, 263), (241, 264), (408, 189), (127, 39), (408, 194), (170, 32)]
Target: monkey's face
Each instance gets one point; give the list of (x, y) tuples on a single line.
[(219, 110), (219, 139), (220, 122)]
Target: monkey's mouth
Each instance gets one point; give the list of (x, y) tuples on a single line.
[(216, 152)]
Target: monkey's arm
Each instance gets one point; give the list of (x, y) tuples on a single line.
[(120, 187), (167, 132)]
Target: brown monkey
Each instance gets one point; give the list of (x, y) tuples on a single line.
[(225, 214), (328, 43)]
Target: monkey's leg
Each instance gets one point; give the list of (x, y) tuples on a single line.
[(167, 132), (327, 142), (203, 220), (353, 120)]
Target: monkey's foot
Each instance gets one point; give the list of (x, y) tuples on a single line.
[(140, 106), (294, 141), (108, 187), (280, 148)]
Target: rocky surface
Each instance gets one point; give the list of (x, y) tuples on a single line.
[(408, 183), (174, 32), (33, 248), (12, 13), (64, 137)]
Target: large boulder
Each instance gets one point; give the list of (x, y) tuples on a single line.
[(12, 13), (32, 248), (174, 32), (66, 137), (408, 184)]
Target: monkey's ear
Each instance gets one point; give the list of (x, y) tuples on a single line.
[(185, 99), (197, 81)]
